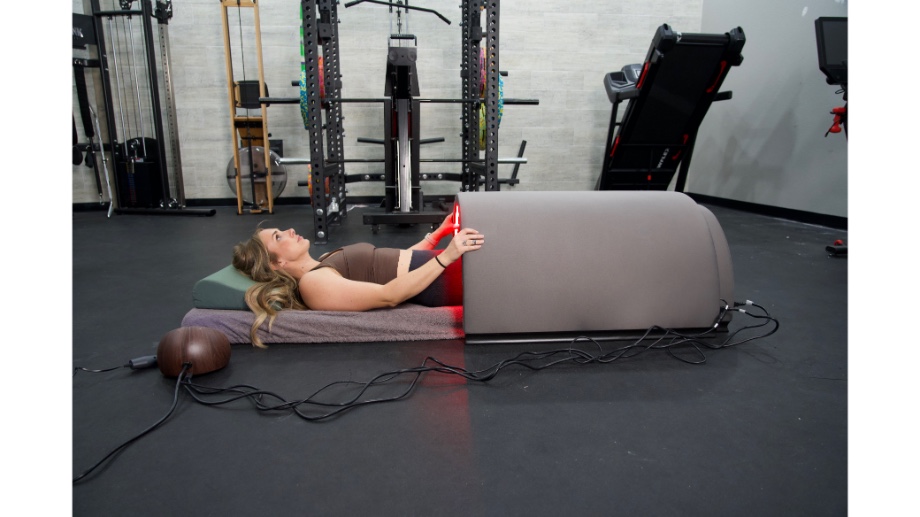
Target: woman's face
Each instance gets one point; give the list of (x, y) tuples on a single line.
[(285, 246)]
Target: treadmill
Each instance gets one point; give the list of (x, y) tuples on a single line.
[(666, 97)]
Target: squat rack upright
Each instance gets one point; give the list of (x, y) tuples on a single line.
[(320, 31)]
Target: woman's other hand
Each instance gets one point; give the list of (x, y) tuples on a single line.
[(466, 240)]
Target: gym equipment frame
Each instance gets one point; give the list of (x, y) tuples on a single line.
[(251, 130), (141, 174), (668, 97), (320, 32)]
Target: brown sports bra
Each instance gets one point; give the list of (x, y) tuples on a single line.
[(363, 262)]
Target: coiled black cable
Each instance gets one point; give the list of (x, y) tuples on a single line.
[(315, 408), (318, 409)]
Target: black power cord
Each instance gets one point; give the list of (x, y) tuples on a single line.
[(138, 363), (320, 409), (143, 433), (668, 340)]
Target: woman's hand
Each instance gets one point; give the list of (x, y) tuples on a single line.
[(466, 240), (447, 227), (434, 238)]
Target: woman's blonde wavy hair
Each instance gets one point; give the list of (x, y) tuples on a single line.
[(274, 290)]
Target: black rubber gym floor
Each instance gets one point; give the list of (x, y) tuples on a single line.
[(759, 429)]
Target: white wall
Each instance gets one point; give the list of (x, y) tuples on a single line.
[(767, 144)]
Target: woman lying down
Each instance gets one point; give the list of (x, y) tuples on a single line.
[(357, 277)]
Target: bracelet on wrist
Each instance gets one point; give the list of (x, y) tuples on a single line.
[(439, 262), (430, 240)]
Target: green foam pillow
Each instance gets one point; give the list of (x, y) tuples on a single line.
[(224, 289)]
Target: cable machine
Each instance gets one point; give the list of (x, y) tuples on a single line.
[(321, 95), (139, 155)]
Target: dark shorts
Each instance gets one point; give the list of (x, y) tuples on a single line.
[(447, 289)]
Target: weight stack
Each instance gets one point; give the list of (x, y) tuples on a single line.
[(138, 175)]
